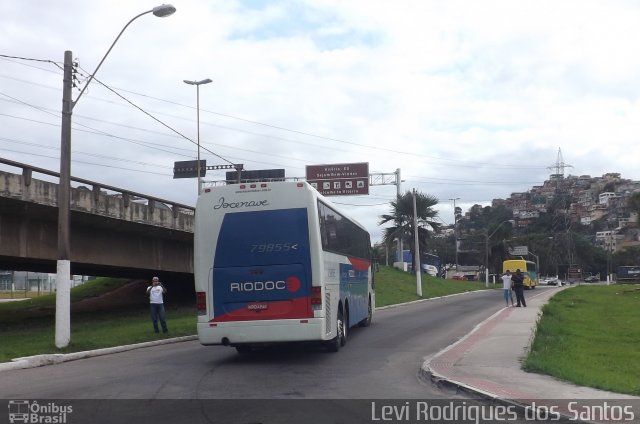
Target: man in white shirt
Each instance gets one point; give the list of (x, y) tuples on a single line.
[(155, 292), (506, 287)]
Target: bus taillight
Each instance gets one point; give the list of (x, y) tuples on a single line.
[(316, 298), (201, 303)]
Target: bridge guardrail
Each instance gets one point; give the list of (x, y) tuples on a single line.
[(125, 204)]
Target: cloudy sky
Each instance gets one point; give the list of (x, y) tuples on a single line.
[(470, 99)]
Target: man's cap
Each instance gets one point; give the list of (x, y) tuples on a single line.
[(156, 279)]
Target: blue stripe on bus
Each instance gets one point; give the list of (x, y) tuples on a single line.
[(354, 286), (261, 256)]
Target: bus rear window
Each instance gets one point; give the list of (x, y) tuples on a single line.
[(263, 238)]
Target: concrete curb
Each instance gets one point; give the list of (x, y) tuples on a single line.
[(428, 375), (398, 305), (57, 358)]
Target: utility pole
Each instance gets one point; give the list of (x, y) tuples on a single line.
[(416, 259), (63, 265), (399, 193), (455, 228)]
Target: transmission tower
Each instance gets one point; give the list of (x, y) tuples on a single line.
[(562, 246), (558, 167)]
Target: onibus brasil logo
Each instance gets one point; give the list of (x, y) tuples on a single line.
[(32, 412)]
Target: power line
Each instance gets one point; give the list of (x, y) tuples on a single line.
[(30, 59), (156, 119), (352, 204), (113, 91), (96, 155), (86, 163), (202, 142), (146, 144), (412, 154), (467, 182), (98, 132)]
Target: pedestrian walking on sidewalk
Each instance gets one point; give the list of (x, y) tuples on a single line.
[(155, 292), (507, 284), (518, 286)]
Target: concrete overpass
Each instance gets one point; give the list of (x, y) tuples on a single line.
[(113, 231)]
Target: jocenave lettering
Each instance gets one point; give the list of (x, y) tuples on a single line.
[(222, 204)]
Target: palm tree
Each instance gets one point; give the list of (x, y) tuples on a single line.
[(402, 217)]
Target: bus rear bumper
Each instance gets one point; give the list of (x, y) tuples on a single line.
[(260, 332)]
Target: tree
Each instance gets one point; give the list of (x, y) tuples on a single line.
[(634, 203), (401, 216), (629, 256)]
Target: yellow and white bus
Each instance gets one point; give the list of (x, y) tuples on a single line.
[(528, 268)]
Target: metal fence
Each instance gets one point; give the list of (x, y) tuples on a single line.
[(28, 284)]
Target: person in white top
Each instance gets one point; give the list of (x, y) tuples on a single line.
[(155, 292), (506, 287)]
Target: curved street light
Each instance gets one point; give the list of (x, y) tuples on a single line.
[(198, 84), (161, 11), (63, 266)]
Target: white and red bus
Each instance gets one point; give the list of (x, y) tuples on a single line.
[(275, 262)]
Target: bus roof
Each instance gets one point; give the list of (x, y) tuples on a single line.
[(255, 187)]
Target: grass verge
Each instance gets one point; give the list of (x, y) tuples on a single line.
[(27, 327), (90, 332), (394, 286), (589, 335), (105, 312)]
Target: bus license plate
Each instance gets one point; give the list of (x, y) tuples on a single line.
[(258, 306)]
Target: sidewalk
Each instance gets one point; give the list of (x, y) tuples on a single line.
[(487, 361)]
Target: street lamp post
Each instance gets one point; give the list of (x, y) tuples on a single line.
[(198, 84), (63, 266), (486, 250), (455, 228), (416, 250)]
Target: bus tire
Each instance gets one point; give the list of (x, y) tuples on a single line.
[(345, 326), (334, 344), (367, 321)]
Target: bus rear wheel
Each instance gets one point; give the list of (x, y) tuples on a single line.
[(339, 340), (367, 321)]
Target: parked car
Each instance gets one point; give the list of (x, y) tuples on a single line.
[(592, 279), (551, 281)]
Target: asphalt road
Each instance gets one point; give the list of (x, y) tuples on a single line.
[(379, 362)]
